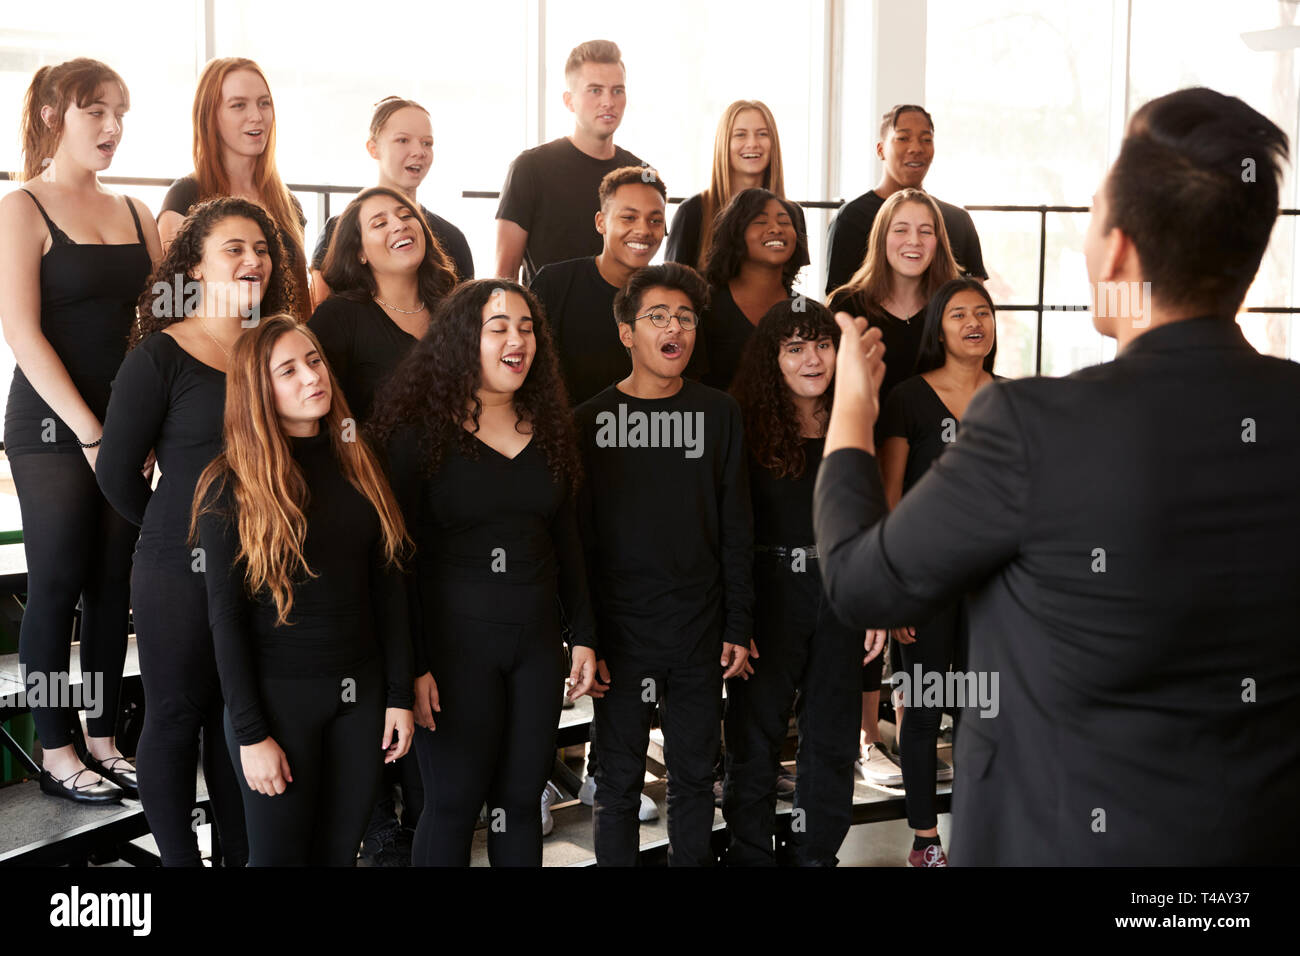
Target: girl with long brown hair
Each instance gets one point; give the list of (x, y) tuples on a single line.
[(225, 265), (908, 258), (485, 463), (302, 539), (234, 155), (73, 257), (387, 273), (746, 154)]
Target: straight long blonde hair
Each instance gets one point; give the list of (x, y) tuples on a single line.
[(721, 188)]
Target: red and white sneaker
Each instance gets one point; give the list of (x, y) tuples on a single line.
[(930, 856)]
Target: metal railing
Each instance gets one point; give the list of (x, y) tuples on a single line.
[(324, 193)]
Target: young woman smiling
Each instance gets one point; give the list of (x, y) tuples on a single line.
[(756, 253), (484, 462), (234, 155), (918, 421), (73, 257), (746, 154), (908, 259), (167, 402), (401, 143), (388, 274)]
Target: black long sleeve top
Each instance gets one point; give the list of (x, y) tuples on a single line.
[(474, 508), (167, 400), (362, 345), (666, 521), (353, 609)]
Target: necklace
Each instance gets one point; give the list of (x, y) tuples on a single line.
[(418, 308), (225, 351)]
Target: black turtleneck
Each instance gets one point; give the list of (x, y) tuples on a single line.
[(352, 610)]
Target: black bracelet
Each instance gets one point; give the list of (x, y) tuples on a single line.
[(90, 444)]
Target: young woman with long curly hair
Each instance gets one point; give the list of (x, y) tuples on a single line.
[(310, 618), (806, 659), (225, 265), (485, 464)]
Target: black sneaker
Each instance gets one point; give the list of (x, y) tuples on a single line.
[(388, 848)]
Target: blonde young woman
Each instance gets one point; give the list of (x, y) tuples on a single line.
[(302, 538), (234, 155), (746, 154), (908, 258), (73, 258)]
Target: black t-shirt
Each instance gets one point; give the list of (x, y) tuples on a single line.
[(184, 196), (850, 233), (449, 237), (472, 508), (666, 522), (166, 400), (579, 306), (915, 411), (725, 331), (902, 337), (783, 506), (353, 610), (552, 191), (683, 243), (362, 345)]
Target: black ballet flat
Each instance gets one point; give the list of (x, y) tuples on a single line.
[(104, 791), (125, 779)]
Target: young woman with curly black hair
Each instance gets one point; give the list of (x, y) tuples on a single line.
[(806, 659), (225, 266), (756, 252), (484, 463)]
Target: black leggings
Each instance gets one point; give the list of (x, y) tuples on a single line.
[(803, 648), (182, 697), (330, 739), (77, 547), (937, 648), (499, 686)]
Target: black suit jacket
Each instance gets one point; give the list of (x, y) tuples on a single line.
[(1149, 713)]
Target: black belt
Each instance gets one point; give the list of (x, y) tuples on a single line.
[(782, 553)]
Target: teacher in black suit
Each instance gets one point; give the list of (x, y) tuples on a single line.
[(1128, 537)]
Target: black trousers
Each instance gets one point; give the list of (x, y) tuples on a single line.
[(182, 694), (78, 548), (499, 686), (938, 646), (689, 698), (810, 662), (330, 738)]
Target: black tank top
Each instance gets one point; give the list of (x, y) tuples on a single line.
[(88, 296)]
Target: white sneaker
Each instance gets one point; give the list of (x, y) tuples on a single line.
[(550, 794), (877, 765), (646, 812)]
